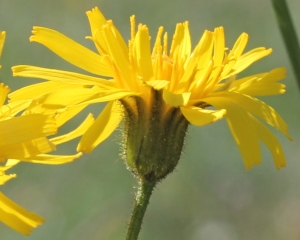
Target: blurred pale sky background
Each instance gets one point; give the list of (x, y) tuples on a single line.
[(210, 195)]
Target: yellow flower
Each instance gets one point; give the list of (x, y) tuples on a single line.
[(159, 92), (24, 138)]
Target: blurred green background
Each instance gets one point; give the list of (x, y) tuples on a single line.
[(210, 195)]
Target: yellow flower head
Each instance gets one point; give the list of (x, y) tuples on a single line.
[(159, 91)]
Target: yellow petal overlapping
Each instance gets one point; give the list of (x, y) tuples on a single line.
[(23, 137), (71, 51)]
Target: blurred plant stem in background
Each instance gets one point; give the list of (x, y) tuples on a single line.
[(289, 35)]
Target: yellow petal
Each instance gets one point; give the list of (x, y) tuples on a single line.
[(259, 109), (52, 159), (199, 64), (80, 130), (219, 46), (181, 44), (268, 138), (239, 46), (142, 54), (17, 217), (248, 58), (260, 90), (177, 39), (71, 51), (39, 89), (4, 90), (261, 84), (4, 178), (110, 96), (77, 95), (2, 40), (25, 128), (176, 100), (9, 164), (97, 17), (97, 20), (242, 128), (60, 76), (26, 149), (11, 109), (119, 56), (199, 117), (157, 84), (68, 113), (105, 124)]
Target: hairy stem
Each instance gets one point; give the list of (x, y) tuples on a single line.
[(141, 202)]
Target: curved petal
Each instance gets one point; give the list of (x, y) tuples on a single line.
[(80, 130), (71, 51), (107, 121), (200, 117), (238, 46), (268, 138), (65, 77), (97, 20), (259, 109), (176, 100), (26, 149), (71, 97), (260, 90), (25, 128), (12, 109), (261, 84), (52, 159), (248, 58), (119, 55), (110, 96), (198, 64), (68, 113), (39, 90), (17, 217), (242, 128)]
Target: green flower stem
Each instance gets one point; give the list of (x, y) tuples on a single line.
[(141, 202), (289, 35)]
